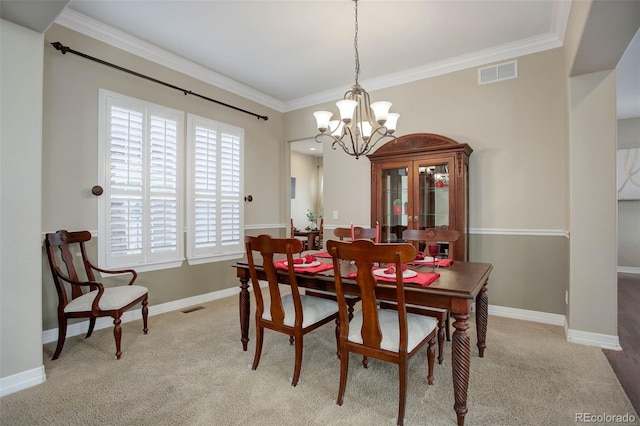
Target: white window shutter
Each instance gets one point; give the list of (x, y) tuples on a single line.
[(215, 181), (140, 221)]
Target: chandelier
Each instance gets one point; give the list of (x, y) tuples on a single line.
[(358, 130)]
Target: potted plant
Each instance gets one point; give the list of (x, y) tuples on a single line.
[(397, 206), (312, 218), (406, 206)]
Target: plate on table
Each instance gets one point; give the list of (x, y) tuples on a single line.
[(427, 259), (405, 274), (303, 265)]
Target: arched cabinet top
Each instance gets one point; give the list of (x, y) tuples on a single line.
[(419, 143)]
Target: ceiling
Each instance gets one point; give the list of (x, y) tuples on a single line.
[(291, 54)]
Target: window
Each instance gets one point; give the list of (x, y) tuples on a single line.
[(214, 182), (142, 167)]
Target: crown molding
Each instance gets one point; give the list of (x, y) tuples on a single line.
[(482, 57), (92, 28), (106, 34)]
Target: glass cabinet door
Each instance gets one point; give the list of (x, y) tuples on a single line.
[(434, 203), (394, 201)]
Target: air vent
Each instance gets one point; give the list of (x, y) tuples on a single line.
[(494, 73)]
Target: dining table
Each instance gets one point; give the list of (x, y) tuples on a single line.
[(457, 287)]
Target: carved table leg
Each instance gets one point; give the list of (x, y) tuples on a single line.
[(482, 313), (461, 353), (245, 309)]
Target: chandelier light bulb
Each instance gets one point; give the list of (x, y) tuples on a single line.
[(380, 111), (335, 127), (322, 120), (346, 107), (392, 121)]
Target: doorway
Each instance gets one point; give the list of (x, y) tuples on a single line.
[(306, 174)]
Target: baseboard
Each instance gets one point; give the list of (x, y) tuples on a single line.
[(605, 341), (21, 381), (628, 270), (526, 315), (36, 376), (136, 314)]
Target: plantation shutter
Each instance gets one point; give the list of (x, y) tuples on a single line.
[(214, 211), (140, 220), (126, 238)]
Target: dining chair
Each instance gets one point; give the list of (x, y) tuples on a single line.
[(320, 237), (359, 233), (420, 238), (344, 234), (292, 313), (293, 235), (385, 334), (89, 298)]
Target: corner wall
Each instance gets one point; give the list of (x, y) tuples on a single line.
[(20, 208)]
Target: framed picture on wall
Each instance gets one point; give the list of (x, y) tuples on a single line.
[(293, 188), (628, 174)]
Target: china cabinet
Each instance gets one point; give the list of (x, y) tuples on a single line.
[(421, 181)]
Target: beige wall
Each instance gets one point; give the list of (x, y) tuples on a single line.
[(593, 286), (20, 206), (518, 190), (629, 210), (70, 153), (516, 128)]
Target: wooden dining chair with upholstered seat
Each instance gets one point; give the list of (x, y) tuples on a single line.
[(431, 236), (344, 234), (293, 313), (89, 298), (385, 334), (359, 233)]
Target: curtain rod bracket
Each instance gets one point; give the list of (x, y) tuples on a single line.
[(64, 49)]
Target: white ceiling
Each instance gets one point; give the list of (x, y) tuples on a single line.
[(299, 53), (292, 54)]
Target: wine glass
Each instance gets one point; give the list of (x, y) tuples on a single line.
[(434, 251)]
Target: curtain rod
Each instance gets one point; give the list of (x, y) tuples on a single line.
[(65, 49)]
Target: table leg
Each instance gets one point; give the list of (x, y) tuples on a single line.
[(461, 353), (311, 241), (482, 313), (245, 309)]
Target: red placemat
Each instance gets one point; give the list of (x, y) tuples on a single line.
[(422, 278), (324, 254), (312, 270)]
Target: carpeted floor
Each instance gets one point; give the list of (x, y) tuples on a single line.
[(190, 370)]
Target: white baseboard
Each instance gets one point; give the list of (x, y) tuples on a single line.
[(136, 314), (21, 381), (628, 270), (605, 341), (524, 314)]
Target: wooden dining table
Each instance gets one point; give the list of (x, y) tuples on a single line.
[(457, 287)]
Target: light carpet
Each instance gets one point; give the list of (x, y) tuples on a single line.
[(190, 370)]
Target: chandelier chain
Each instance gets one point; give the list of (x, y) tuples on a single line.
[(355, 43)]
